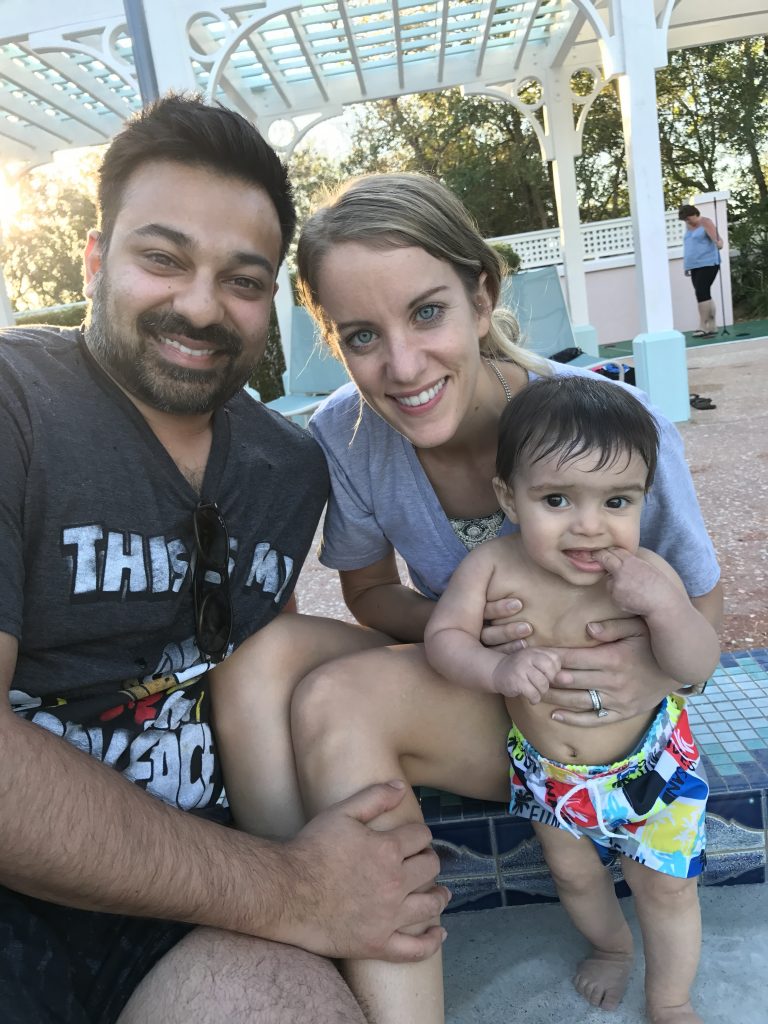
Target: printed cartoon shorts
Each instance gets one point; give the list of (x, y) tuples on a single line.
[(649, 807)]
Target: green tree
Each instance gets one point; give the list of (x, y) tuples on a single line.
[(313, 175), (601, 170), (713, 117), (483, 150), (42, 250), (713, 120)]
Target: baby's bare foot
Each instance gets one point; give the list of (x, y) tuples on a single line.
[(684, 1014), (602, 978)]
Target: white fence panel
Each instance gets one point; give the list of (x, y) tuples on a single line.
[(602, 239)]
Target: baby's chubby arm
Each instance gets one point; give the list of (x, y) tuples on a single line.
[(684, 644), (452, 638)]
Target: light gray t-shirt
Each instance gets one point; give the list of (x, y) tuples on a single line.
[(381, 499)]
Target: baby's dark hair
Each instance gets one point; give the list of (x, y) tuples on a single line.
[(569, 415)]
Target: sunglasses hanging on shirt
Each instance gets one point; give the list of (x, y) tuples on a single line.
[(210, 581)]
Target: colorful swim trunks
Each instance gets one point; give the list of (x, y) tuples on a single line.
[(649, 807)]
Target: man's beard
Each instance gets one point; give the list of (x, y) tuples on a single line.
[(125, 352)]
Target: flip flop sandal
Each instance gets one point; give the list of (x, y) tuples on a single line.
[(699, 334), (697, 402)]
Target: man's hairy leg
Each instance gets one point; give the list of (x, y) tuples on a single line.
[(212, 977), (79, 829), (381, 714)]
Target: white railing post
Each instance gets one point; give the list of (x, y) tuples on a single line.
[(638, 47), (7, 318), (558, 122)]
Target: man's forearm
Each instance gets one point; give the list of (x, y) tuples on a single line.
[(84, 836)]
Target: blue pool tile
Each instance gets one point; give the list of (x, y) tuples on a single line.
[(749, 876), (472, 899), (515, 898), (475, 835), (744, 808), (743, 755), (511, 832)]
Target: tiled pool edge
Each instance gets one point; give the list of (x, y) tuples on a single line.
[(490, 859)]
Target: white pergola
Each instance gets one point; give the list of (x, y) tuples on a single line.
[(69, 80)]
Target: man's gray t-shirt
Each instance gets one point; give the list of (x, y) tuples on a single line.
[(381, 499), (96, 546)]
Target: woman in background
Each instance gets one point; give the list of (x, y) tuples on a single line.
[(701, 261)]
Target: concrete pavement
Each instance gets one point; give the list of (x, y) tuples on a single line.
[(513, 966)]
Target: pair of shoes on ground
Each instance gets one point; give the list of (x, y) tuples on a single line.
[(703, 334), (699, 402)]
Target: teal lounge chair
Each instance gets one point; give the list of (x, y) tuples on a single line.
[(312, 371), (536, 298)]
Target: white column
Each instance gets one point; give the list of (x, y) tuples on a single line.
[(284, 311), (564, 143), (6, 311), (167, 28), (639, 47)]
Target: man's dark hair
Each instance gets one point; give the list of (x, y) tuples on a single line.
[(184, 129), (570, 415), (687, 211)]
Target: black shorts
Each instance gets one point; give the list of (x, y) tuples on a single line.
[(702, 278), (71, 966)]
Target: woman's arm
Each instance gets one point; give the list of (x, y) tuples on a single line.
[(711, 230), (377, 598), (711, 606)]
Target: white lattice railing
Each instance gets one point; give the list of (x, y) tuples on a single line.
[(601, 239)]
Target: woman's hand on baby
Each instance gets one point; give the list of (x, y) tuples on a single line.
[(526, 673), (635, 586), (503, 631), (621, 668)]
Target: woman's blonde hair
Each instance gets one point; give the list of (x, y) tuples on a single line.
[(401, 210)]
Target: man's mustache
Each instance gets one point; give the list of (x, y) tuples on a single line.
[(172, 323)]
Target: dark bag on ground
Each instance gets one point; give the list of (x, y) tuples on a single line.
[(613, 371), (565, 355)]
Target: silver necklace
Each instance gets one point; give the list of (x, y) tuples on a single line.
[(502, 381)]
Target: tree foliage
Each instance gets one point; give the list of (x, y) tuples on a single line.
[(713, 120), (601, 171), (482, 149), (713, 125), (42, 250), (313, 174)]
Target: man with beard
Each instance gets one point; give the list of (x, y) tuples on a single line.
[(153, 517)]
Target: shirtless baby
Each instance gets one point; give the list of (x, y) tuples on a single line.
[(576, 459)]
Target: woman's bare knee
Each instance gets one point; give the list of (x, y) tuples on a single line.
[(325, 698)]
